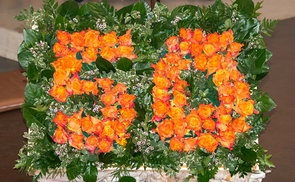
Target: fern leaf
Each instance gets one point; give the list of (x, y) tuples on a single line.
[(267, 26)]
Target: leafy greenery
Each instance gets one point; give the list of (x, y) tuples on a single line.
[(150, 30)]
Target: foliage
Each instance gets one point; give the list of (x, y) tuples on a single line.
[(137, 140)]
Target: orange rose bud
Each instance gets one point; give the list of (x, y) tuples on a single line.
[(91, 143), (176, 144), (126, 39), (208, 142), (105, 145), (172, 44), (190, 144), (165, 129), (76, 141), (60, 136)]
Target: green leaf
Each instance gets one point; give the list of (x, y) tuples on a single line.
[(30, 37), (62, 23), (124, 64), (104, 65), (245, 27), (30, 115), (68, 9), (246, 7), (268, 25), (73, 170), (248, 155), (32, 91), (263, 101), (90, 173), (24, 56), (127, 179)]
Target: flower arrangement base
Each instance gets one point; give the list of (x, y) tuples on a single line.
[(149, 175)]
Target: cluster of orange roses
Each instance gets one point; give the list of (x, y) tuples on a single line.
[(81, 130), (209, 125)]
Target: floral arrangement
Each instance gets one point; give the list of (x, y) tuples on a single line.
[(137, 87)]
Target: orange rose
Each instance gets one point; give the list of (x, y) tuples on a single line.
[(126, 51), (89, 55), (176, 112), (221, 76), (235, 48), (245, 108), (185, 34), (89, 87), (74, 123), (109, 39), (165, 129), (227, 138), (198, 35), (242, 89), (225, 39), (196, 49), (161, 82), (205, 110), (190, 144), (97, 126), (108, 98), (91, 143), (60, 136), (121, 141), (60, 50), (74, 85), (240, 125), (126, 100), (76, 141), (179, 127), (92, 38), (59, 93), (179, 99), (61, 76), (160, 109), (108, 53), (128, 114), (180, 85), (105, 145), (214, 63), (108, 131), (201, 62), (161, 94), (161, 67), (110, 112), (185, 47), (78, 41), (119, 128), (208, 142), (209, 49), (194, 121), (60, 119), (209, 124), (105, 83), (173, 73), (120, 88), (86, 124), (63, 37), (176, 144)]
